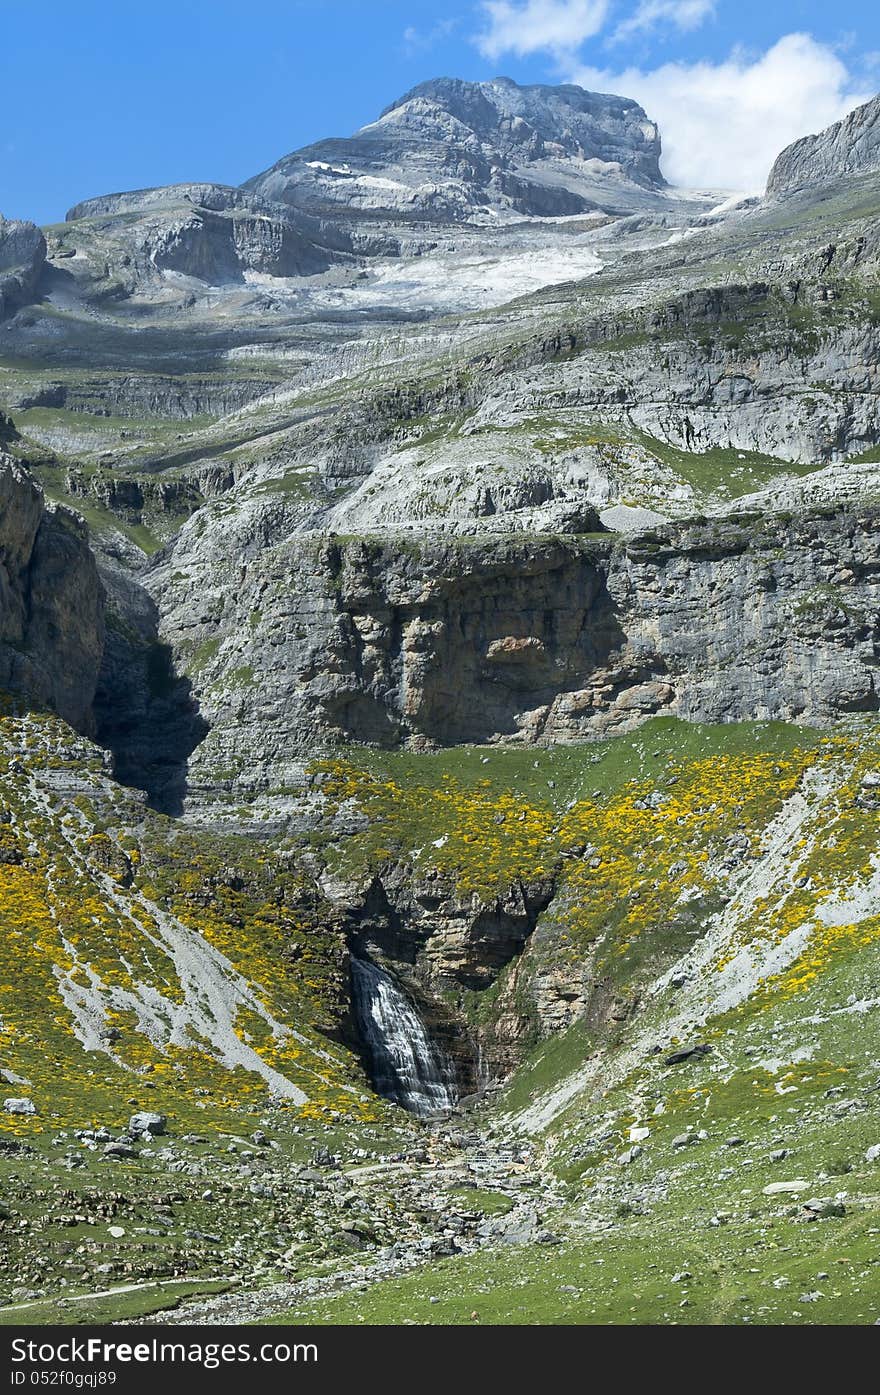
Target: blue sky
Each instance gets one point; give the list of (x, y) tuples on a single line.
[(106, 96)]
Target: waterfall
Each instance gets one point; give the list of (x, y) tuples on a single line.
[(406, 1066)]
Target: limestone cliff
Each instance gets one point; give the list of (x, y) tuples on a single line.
[(51, 601), (519, 639), (849, 147), (22, 253)]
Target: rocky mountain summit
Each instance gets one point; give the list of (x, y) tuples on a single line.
[(849, 147), (449, 154), (451, 150)]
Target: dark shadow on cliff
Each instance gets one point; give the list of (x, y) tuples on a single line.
[(147, 717), (546, 636)]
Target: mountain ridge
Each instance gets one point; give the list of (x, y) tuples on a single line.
[(850, 146)]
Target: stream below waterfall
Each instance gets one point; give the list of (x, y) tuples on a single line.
[(405, 1064)]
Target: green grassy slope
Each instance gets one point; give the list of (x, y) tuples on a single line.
[(670, 1208), (719, 883)]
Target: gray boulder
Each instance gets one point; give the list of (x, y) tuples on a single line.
[(19, 1106), (146, 1122)]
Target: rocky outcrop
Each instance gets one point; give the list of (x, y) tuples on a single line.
[(160, 504), (443, 945), (522, 640), (218, 197), (849, 147), (217, 248), (145, 395), (204, 231), (450, 937), (51, 601), (210, 231), (22, 254)]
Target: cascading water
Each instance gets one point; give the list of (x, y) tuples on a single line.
[(406, 1066)]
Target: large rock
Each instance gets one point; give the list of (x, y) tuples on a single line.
[(19, 1106), (849, 147), (147, 1122)]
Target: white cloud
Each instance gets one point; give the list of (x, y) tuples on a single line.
[(684, 14), (723, 124), (529, 26)]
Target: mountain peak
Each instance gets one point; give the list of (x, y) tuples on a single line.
[(571, 121), (450, 149), (850, 146)]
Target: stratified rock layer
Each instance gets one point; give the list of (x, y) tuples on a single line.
[(523, 640)]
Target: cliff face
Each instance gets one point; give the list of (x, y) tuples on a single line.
[(22, 254), (849, 147), (443, 943), (207, 231), (523, 639), (141, 396), (51, 601)]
